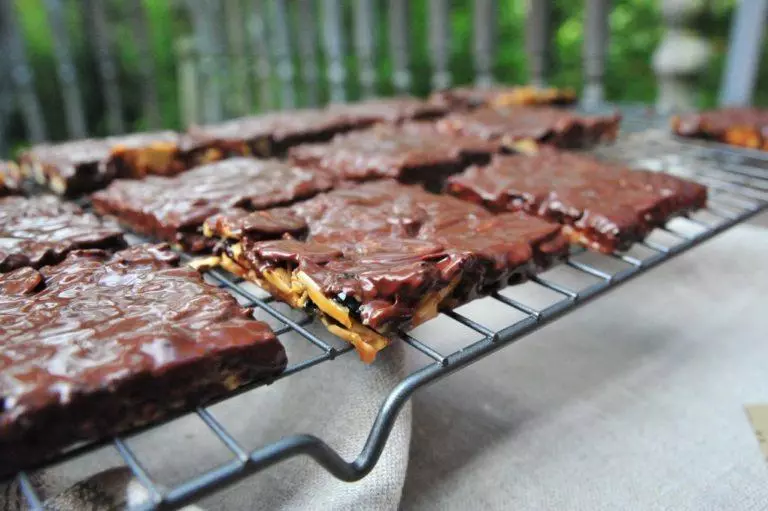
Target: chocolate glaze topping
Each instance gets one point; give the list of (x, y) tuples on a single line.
[(100, 343), (739, 126), (613, 206), (409, 152), (550, 125), (36, 231), (390, 110), (174, 208), (386, 246)]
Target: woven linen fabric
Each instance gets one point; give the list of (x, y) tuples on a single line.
[(634, 402)]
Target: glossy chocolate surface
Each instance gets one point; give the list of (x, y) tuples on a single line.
[(473, 97), (390, 110), (169, 208), (716, 122), (409, 152), (612, 205), (41, 230), (82, 334), (550, 125), (385, 246)]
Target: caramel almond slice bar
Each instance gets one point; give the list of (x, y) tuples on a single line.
[(603, 206), (473, 97), (383, 256), (412, 152), (36, 231), (174, 209), (82, 166), (99, 344), (10, 179), (745, 127), (390, 110), (551, 126)]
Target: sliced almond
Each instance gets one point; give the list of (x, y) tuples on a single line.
[(330, 307), (205, 263)]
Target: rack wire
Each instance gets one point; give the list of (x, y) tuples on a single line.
[(738, 182)]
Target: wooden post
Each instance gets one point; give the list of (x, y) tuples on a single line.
[(307, 17), (333, 44), (365, 45), (484, 41), (283, 54), (21, 73), (537, 41), (102, 47), (208, 65), (262, 67), (186, 69), (745, 45), (680, 57), (149, 96), (65, 69), (398, 43), (595, 47), (239, 101), (440, 43)]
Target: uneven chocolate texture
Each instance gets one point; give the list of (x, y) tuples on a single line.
[(173, 209), (82, 166), (546, 125), (41, 230), (390, 110), (391, 254), (746, 127), (101, 343), (267, 135), (601, 205), (10, 179), (411, 152), (472, 97)]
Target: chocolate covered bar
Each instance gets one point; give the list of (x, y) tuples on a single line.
[(373, 258), (82, 166), (173, 209), (36, 231), (101, 343), (745, 127), (390, 110), (603, 206), (267, 135), (10, 179), (473, 97), (515, 125), (411, 152)]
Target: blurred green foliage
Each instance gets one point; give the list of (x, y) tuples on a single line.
[(635, 31)]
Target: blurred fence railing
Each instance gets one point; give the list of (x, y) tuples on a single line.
[(237, 56)]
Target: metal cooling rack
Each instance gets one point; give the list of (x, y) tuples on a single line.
[(738, 182)]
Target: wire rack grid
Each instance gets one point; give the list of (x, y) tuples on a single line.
[(738, 182)]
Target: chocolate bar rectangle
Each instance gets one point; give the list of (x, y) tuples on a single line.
[(380, 256), (603, 206), (473, 97), (36, 231), (174, 209), (511, 126), (745, 127), (99, 344)]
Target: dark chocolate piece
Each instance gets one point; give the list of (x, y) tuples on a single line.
[(173, 209), (10, 179), (601, 205), (474, 97), (745, 127), (390, 110), (412, 152), (37, 231), (99, 344), (82, 166), (267, 135), (381, 256), (552, 126)]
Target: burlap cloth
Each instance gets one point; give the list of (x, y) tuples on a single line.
[(632, 402)]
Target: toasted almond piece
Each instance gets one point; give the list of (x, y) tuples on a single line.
[(429, 306), (330, 307), (205, 263), (280, 279), (524, 146)]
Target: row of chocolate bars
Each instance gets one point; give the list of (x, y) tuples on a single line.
[(98, 338)]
